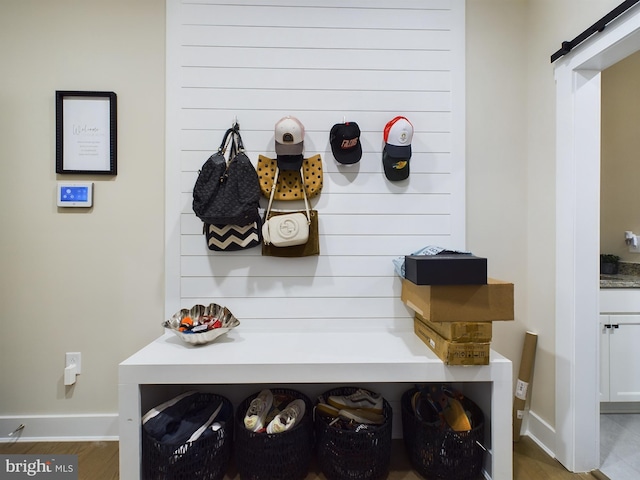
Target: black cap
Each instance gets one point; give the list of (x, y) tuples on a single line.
[(289, 162), (345, 142), (395, 168)]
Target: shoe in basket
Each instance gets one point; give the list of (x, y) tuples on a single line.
[(258, 410), (359, 415), (360, 399), (287, 418), (327, 410)]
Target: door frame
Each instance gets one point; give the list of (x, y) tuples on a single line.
[(578, 90)]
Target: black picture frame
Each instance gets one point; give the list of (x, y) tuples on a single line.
[(86, 132)]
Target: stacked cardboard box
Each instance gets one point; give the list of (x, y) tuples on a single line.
[(455, 321)]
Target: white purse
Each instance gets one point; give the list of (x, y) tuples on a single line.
[(288, 229)]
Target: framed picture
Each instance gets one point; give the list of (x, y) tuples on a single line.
[(86, 132)]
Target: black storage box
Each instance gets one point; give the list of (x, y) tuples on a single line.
[(446, 269)]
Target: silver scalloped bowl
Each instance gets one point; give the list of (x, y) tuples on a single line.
[(199, 314)]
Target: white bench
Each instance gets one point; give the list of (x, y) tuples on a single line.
[(245, 360)]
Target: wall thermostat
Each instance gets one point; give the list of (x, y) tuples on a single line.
[(75, 194)]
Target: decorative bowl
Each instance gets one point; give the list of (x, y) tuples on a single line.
[(199, 325)]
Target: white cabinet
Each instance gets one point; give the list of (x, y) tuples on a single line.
[(620, 358)]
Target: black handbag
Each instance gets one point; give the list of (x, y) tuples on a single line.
[(226, 197)]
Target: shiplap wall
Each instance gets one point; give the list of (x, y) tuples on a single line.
[(360, 60)]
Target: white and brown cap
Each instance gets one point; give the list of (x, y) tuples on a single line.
[(289, 136)]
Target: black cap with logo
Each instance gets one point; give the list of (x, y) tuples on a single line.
[(345, 142)]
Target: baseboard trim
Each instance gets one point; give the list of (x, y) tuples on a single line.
[(104, 427), (543, 434), (619, 407), (60, 428), (598, 475)]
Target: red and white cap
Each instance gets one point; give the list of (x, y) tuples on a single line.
[(398, 134), (289, 136)]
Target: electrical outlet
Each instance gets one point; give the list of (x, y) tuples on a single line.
[(74, 358), (635, 249)]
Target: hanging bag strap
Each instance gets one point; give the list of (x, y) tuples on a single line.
[(306, 202), (273, 191), (225, 141), (233, 151), (236, 131)]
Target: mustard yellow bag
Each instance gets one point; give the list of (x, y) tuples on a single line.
[(290, 184)]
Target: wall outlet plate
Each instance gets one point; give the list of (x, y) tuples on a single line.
[(73, 359), (635, 249)]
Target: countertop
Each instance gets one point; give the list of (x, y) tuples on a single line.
[(628, 276), (619, 281)]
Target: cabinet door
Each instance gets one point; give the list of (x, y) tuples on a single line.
[(604, 358), (624, 358)]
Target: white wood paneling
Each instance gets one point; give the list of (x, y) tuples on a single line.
[(206, 141), (340, 245), (259, 121), (362, 60), (430, 162), (377, 224), (325, 266), (360, 183)]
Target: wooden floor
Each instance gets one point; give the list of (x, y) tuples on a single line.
[(530, 462), (96, 460), (99, 461)]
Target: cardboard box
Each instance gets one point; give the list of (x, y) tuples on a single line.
[(453, 353), (453, 269), (460, 303), (463, 332)]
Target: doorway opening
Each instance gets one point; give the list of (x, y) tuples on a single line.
[(578, 91)]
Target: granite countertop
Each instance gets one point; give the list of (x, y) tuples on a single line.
[(619, 281), (628, 276)]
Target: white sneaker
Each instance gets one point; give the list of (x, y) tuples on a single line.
[(287, 418), (258, 410), (361, 398)]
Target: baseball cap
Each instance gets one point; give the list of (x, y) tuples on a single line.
[(289, 135), (345, 142), (396, 154), (289, 162)]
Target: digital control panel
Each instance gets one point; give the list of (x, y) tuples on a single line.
[(75, 194)]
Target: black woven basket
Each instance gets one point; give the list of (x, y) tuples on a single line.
[(204, 459), (351, 454), (443, 455), (276, 456)]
